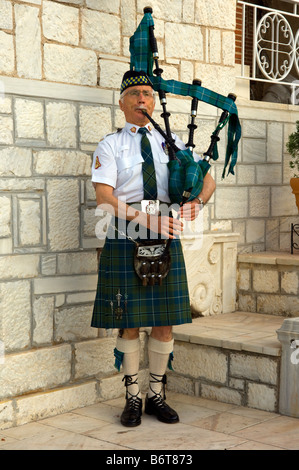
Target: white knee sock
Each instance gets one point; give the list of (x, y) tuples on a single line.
[(130, 364), (158, 355)]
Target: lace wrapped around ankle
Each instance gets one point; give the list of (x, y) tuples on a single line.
[(131, 415), (158, 379)]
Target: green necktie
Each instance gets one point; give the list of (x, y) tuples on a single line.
[(148, 167)]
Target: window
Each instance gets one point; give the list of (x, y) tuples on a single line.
[(267, 48)]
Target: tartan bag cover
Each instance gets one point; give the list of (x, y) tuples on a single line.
[(142, 60)]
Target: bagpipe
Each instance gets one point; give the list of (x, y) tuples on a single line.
[(185, 174)]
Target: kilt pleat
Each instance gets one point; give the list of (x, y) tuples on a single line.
[(141, 306)]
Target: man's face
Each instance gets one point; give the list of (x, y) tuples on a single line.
[(134, 100)]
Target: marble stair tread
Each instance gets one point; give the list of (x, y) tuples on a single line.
[(274, 258), (253, 332)]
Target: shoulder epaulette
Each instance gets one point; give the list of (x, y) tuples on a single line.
[(111, 133)]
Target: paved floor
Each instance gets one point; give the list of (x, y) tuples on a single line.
[(204, 425)]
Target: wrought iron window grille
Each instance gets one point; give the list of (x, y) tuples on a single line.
[(294, 231), (275, 46)]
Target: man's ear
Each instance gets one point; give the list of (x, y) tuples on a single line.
[(121, 105)]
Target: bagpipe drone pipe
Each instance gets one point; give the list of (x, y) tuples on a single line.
[(185, 174)]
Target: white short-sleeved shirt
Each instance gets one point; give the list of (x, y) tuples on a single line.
[(117, 162)]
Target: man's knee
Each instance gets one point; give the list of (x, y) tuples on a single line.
[(129, 333), (162, 333)]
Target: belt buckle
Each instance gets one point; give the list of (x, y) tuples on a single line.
[(150, 206)]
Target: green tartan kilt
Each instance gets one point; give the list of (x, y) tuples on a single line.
[(168, 304)]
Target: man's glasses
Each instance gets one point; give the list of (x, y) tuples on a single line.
[(136, 93)]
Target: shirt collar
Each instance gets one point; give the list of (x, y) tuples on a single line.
[(132, 129)]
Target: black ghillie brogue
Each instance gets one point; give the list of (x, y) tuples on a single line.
[(156, 405), (131, 416)]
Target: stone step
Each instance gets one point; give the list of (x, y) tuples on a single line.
[(269, 283), (240, 331), (233, 358)]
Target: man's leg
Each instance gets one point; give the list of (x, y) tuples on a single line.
[(160, 346), (129, 345)]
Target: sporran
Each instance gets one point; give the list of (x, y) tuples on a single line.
[(152, 261)]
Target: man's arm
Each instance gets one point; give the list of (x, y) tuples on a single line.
[(208, 188), (190, 210), (167, 226)]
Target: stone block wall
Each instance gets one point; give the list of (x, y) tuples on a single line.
[(258, 202), (48, 380), (61, 65), (238, 377), (268, 283)]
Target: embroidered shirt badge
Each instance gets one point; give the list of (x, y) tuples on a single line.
[(133, 129), (97, 163)]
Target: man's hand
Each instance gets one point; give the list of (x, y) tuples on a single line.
[(190, 210), (167, 226)]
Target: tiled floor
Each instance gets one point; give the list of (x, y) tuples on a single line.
[(204, 425)]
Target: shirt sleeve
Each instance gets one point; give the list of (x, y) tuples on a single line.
[(104, 169)]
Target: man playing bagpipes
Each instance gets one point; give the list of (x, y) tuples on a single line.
[(120, 178), (142, 279)]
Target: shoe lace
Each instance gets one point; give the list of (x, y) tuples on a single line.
[(133, 399), (154, 379)]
